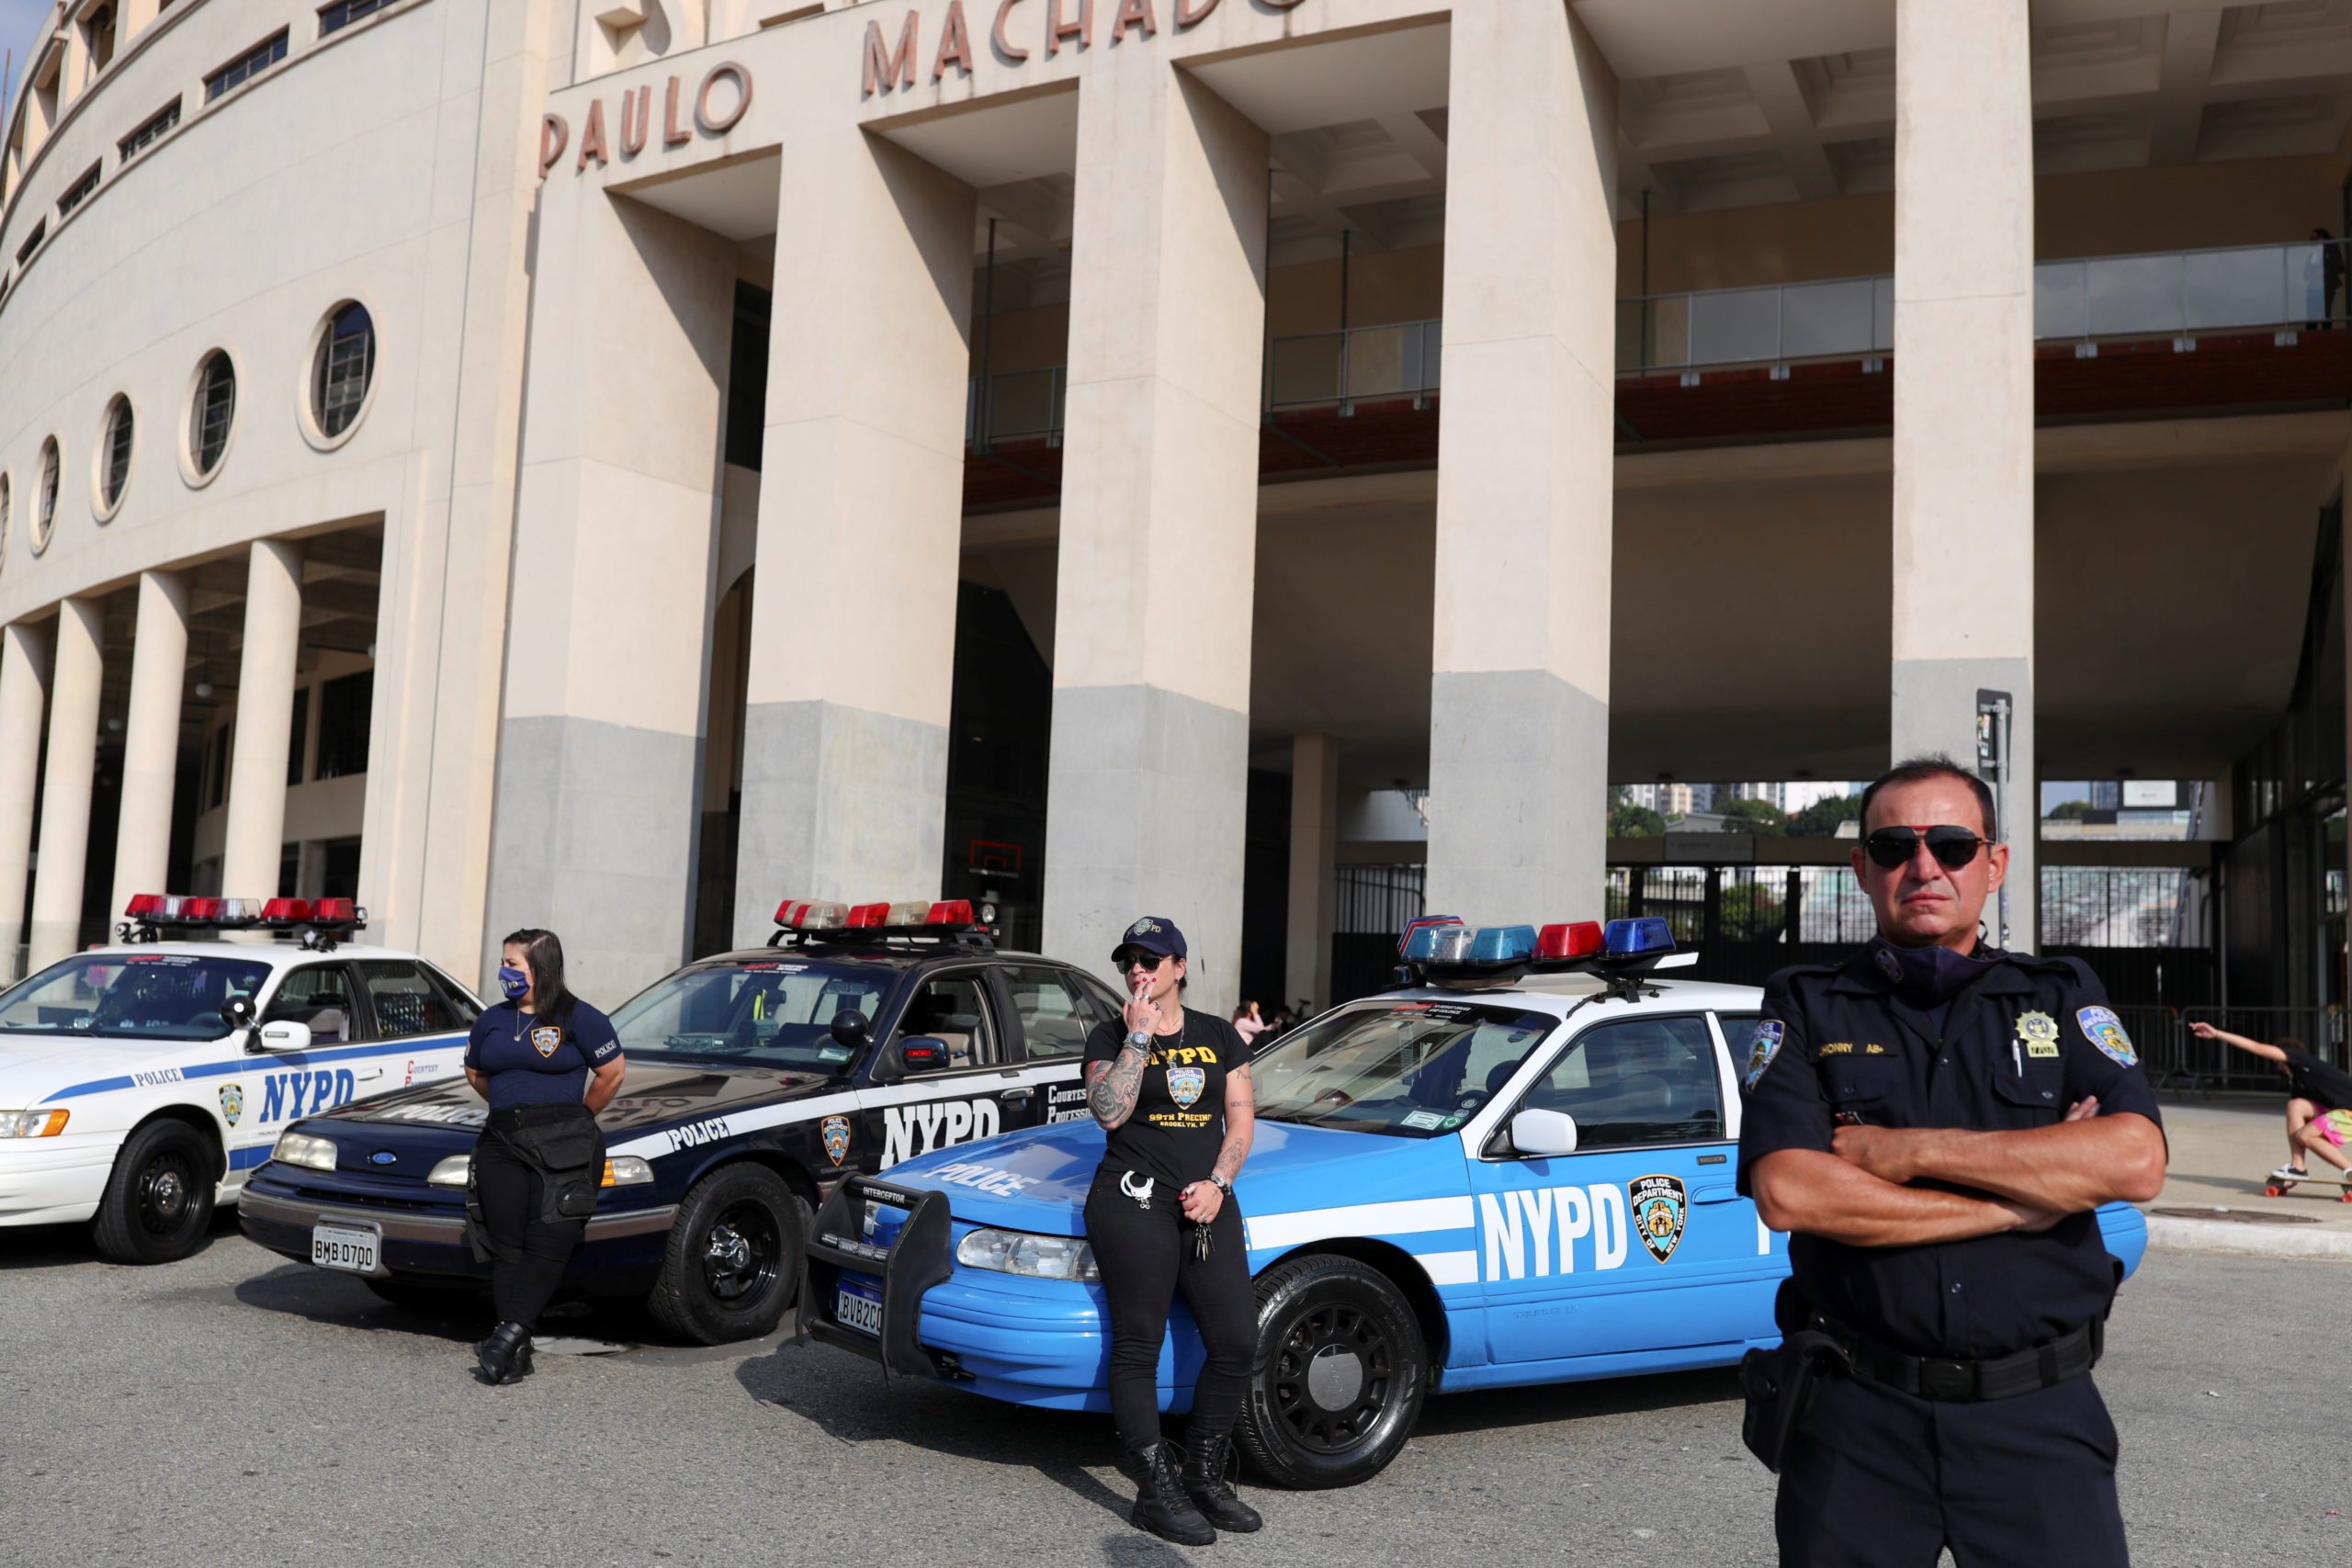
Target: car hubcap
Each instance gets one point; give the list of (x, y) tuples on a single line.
[(166, 1192), (741, 1257), (1331, 1378)]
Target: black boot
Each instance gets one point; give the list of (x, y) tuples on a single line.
[(505, 1356), (1161, 1507), (1204, 1457)]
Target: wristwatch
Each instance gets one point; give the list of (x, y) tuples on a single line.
[(1139, 1040), (1221, 1184)]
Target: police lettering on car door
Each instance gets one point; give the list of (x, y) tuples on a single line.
[(917, 1129)]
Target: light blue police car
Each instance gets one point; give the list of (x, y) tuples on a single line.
[(1519, 1169)]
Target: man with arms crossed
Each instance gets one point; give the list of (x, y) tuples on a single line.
[(1933, 1122)]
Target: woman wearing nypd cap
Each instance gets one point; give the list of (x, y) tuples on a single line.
[(1171, 1088)]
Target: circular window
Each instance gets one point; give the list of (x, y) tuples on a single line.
[(111, 474), (45, 513), (343, 369), (211, 414)]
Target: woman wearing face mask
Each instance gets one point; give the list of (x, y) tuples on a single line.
[(546, 1063)]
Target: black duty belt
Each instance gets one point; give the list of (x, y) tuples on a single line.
[(1998, 1377)]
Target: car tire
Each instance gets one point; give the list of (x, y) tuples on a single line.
[(733, 1263), (157, 1206), (1339, 1374)]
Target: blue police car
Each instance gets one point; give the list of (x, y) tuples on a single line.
[(1518, 1170), (757, 1081)]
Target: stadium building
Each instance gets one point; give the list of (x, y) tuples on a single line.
[(1263, 462)]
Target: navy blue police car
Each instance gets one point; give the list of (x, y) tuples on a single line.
[(758, 1082)]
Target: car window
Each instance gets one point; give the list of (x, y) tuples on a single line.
[(1053, 1019), (158, 995), (1403, 1069), (1104, 996), (773, 1011), (1740, 1037), (955, 1009), (317, 995), (463, 1006), (405, 1002), (1645, 1080)]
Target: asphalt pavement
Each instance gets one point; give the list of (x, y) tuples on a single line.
[(236, 1407)]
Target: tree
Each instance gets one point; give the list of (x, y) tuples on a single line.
[(1822, 818), (1636, 822), (2069, 810), (1760, 818)]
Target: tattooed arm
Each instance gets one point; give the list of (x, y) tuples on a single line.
[(1112, 1087), (1240, 1123)]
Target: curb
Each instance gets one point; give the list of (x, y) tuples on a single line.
[(2249, 1240)]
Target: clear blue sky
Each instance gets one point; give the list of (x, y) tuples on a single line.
[(19, 20)]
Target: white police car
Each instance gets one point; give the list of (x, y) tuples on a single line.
[(1519, 1169), (141, 1081)]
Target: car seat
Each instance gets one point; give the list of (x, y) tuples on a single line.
[(929, 1015)]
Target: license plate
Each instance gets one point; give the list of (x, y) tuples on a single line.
[(853, 1308), (340, 1246)]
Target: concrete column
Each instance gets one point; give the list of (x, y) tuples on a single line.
[(1314, 839), (1963, 400), (1518, 686), (256, 838), (150, 739), (1147, 790), (65, 781), (861, 491), (24, 694), (595, 827)]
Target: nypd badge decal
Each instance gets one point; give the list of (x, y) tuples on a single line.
[(2039, 1032), (1185, 1085), (545, 1038), (1660, 1209), (834, 1130), (2104, 1029), (232, 1103), (1761, 1047)]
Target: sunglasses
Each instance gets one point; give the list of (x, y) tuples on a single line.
[(1135, 958), (1952, 846)]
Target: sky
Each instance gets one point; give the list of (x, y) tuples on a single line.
[(20, 21)]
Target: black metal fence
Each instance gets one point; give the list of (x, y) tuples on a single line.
[(2174, 1058)]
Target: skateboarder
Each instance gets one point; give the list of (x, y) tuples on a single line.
[(2319, 1105)]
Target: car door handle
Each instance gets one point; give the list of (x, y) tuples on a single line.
[(371, 1073), (1720, 1192), (1018, 1094)]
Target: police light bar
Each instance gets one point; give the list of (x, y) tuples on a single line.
[(147, 913), (903, 918), (1443, 950)]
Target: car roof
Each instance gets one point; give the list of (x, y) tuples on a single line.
[(880, 948), (1560, 994), (277, 954)]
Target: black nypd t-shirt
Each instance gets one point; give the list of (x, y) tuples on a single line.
[(2328, 1088), (536, 1061), (1178, 1121)]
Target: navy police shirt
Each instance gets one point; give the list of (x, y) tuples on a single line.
[(2014, 1049), (535, 1061)]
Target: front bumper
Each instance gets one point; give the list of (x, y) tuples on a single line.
[(619, 1255), (47, 1181)]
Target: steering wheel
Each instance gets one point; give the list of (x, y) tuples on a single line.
[(1337, 1097)]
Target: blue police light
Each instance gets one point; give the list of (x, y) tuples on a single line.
[(1502, 944), (1625, 938), (1432, 937)]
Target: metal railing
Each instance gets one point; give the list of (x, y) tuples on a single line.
[(1015, 405), (2175, 1060), (2163, 294), (1394, 361)]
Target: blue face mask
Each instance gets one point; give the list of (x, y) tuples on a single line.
[(514, 982), (1928, 976)]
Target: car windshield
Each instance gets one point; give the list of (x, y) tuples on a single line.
[(770, 1012), (1411, 1069), (144, 996)]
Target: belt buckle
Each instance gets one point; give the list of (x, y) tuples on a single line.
[(1947, 1379)]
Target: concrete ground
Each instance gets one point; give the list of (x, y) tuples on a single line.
[(236, 1407), (2222, 1150)]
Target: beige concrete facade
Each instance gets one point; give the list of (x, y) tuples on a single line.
[(515, 609)]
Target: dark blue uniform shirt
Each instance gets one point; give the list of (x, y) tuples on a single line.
[(534, 1061), (2014, 1050)]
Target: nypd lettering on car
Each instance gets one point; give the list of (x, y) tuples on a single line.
[(1522, 1170)]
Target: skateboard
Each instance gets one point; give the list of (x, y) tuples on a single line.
[(2276, 1187)]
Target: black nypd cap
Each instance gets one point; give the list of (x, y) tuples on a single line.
[(1153, 934)]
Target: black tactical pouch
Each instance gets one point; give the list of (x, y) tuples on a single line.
[(1778, 1384)]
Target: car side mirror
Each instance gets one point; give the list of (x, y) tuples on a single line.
[(284, 1035), (913, 1053), (237, 1013), (1544, 1133), (849, 1029)]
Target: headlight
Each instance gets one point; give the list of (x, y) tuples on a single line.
[(1019, 1252), (451, 1172), (626, 1170), (31, 1123), (301, 1148)]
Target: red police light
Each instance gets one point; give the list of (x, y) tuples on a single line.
[(789, 911), (868, 917), (334, 912), (194, 910), (1579, 939), (952, 912), (145, 905), (285, 912)]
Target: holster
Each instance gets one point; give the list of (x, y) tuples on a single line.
[(1777, 1383), (565, 1145)]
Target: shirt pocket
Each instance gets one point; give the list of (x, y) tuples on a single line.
[(1868, 1090), (2035, 1096)]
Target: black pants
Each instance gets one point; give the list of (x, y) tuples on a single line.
[(528, 1252), (1143, 1256), (1878, 1479)]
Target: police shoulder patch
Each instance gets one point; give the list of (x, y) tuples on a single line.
[(2104, 1029), (1762, 1046)]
